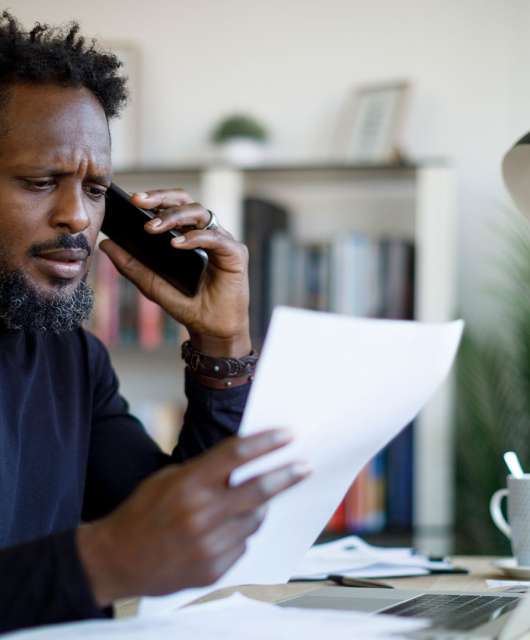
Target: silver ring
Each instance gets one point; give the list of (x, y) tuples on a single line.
[(213, 223)]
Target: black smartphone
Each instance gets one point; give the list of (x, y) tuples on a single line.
[(124, 223)]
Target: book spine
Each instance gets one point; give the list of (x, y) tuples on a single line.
[(359, 276), (149, 323), (106, 310)]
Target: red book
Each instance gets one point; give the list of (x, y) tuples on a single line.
[(336, 524), (355, 505), (149, 323), (106, 309)]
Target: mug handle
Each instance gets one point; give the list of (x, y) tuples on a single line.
[(496, 512)]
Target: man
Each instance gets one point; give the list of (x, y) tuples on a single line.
[(70, 451)]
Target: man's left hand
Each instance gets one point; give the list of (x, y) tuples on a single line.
[(217, 316)]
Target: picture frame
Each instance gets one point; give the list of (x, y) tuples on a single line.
[(126, 128), (370, 124)]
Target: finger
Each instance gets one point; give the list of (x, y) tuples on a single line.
[(161, 198), (223, 247), (254, 493), (233, 532), (222, 564), (192, 215), (218, 463)]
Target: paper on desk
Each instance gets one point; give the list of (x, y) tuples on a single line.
[(497, 584), (345, 387), (235, 618), (351, 556)]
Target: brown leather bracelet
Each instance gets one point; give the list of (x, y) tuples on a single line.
[(219, 373), (225, 383)]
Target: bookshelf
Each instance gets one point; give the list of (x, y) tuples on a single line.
[(415, 203)]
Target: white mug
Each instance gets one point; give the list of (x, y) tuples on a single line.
[(518, 529)]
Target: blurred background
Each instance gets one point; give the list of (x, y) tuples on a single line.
[(356, 147)]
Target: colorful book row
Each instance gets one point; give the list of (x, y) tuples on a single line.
[(354, 274), (124, 316)]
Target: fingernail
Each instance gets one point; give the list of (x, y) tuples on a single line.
[(300, 469), (282, 436), (178, 240), (155, 222)]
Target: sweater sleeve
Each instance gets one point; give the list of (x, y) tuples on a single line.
[(43, 582), (121, 452), (212, 415)]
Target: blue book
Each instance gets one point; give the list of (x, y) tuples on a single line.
[(400, 479)]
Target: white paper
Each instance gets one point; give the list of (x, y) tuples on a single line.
[(519, 584), (382, 570), (345, 387), (235, 618), (352, 556)]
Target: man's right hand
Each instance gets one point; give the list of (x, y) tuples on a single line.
[(184, 526)]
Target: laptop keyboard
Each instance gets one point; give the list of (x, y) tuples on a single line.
[(453, 612)]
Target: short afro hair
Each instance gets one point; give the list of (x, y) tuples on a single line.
[(59, 55)]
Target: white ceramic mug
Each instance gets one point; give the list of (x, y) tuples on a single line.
[(518, 529)]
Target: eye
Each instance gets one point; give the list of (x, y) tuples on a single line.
[(39, 184), (96, 191)]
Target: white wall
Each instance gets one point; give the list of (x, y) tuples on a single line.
[(292, 62)]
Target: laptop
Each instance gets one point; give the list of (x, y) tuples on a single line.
[(452, 616)]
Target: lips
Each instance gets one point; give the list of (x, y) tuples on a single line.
[(65, 264), (64, 255)]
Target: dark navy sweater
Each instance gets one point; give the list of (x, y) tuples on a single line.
[(70, 451)]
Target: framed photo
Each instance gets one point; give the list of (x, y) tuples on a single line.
[(125, 130), (370, 124)]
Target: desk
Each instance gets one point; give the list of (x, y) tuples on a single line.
[(480, 570)]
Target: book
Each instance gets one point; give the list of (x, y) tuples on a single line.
[(105, 318), (364, 276), (262, 219), (128, 298), (397, 279), (122, 315), (149, 323)]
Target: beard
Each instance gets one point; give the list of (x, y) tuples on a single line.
[(24, 306)]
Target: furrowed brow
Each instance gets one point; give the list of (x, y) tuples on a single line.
[(43, 170)]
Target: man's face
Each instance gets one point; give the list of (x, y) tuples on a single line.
[(54, 168)]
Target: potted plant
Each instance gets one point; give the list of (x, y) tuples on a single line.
[(494, 401), (241, 139)]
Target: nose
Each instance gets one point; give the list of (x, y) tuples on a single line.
[(69, 213)]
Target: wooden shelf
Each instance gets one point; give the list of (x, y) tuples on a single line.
[(289, 167)]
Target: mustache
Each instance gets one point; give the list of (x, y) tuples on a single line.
[(62, 242)]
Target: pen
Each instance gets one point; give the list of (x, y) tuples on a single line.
[(345, 581)]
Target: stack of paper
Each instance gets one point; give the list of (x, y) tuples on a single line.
[(235, 618), (354, 558)]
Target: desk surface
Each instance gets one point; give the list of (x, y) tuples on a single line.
[(480, 570)]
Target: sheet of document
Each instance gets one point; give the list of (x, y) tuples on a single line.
[(345, 387), (521, 586), (352, 556), (234, 618)]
